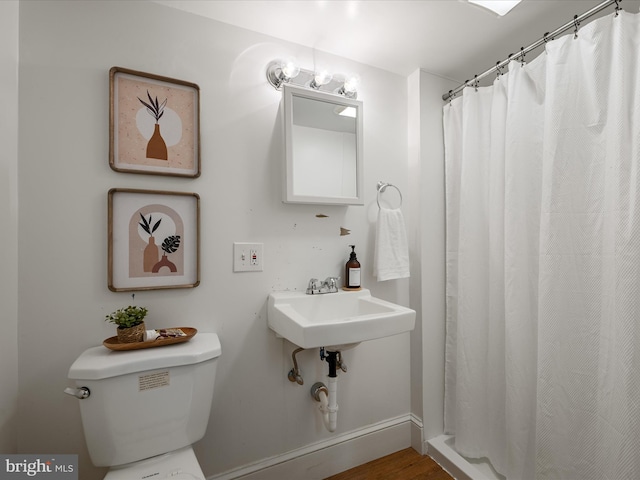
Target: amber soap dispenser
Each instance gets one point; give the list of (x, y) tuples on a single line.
[(352, 271)]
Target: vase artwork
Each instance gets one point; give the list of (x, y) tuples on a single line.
[(156, 147), (154, 124), (150, 255), (169, 245), (156, 233)]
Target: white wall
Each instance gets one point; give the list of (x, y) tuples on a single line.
[(66, 50), (427, 245), (9, 222), (426, 167), (414, 237)]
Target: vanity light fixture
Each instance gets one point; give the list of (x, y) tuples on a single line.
[(280, 72)]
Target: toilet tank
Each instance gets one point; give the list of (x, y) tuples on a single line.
[(146, 402)]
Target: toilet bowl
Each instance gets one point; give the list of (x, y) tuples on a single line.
[(144, 409)]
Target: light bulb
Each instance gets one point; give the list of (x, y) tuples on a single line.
[(281, 71), (351, 84), (320, 78), (290, 69)]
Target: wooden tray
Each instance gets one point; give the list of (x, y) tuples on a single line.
[(113, 344)]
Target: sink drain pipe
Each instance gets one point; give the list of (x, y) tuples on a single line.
[(328, 397)]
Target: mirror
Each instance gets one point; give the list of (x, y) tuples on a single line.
[(323, 148)]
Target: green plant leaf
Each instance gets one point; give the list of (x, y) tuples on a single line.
[(127, 317)]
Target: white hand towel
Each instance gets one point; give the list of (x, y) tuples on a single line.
[(391, 257)]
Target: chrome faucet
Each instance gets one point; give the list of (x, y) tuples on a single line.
[(328, 285)]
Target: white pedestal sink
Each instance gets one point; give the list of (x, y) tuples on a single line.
[(335, 320)]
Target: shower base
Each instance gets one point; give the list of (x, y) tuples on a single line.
[(441, 449)]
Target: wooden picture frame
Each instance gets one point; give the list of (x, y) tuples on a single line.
[(154, 239), (154, 124)]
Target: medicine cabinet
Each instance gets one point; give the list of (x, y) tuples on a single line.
[(323, 148)]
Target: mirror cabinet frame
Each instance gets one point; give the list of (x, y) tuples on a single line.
[(289, 195)]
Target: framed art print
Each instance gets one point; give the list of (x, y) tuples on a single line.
[(154, 239), (154, 124)]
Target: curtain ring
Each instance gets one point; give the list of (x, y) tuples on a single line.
[(475, 82), (544, 37), (522, 60), (576, 24), (498, 69), (617, 7)]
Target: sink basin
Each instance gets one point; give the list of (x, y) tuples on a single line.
[(335, 320)]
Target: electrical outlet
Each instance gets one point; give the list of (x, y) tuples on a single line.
[(248, 257)]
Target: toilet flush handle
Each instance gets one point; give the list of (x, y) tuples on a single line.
[(81, 393)]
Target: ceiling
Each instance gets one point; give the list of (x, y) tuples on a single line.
[(450, 38)]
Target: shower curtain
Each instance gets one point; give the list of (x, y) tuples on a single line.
[(543, 261)]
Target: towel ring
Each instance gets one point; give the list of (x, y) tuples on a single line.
[(382, 186)]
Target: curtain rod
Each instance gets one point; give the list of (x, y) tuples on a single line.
[(575, 23)]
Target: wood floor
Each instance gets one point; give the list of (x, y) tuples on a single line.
[(406, 464)]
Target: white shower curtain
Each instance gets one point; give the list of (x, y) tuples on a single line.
[(543, 261)]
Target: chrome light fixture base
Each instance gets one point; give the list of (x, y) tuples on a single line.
[(278, 74)]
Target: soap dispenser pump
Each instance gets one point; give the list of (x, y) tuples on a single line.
[(352, 272)]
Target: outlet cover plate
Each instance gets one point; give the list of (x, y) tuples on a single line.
[(248, 257)]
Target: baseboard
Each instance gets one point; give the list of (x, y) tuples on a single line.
[(328, 457), (418, 442)]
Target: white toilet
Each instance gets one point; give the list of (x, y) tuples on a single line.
[(145, 408)]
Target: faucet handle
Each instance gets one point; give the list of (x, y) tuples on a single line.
[(332, 283), (313, 286)]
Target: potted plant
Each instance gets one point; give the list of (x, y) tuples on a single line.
[(130, 322)]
